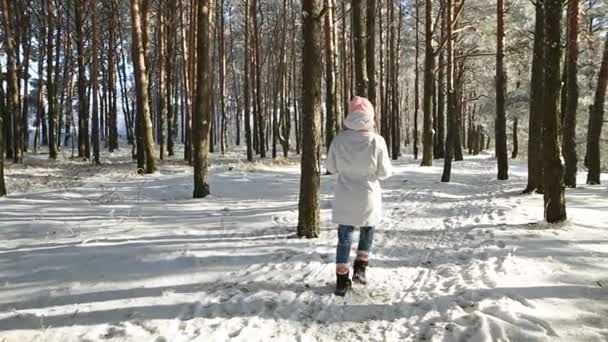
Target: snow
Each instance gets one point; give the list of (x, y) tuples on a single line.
[(97, 253)]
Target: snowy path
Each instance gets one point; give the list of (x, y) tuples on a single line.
[(95, 254)]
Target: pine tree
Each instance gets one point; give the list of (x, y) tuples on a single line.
[(202, 106), (554, 197), (535, 159), (501, 80), (361, 77), (308, 218), (144, 121), (596, 120), (429, 58), (569, 140)]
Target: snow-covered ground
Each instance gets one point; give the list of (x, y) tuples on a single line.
[(98, 253)]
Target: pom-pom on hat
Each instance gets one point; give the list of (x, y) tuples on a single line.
[(360, 115)]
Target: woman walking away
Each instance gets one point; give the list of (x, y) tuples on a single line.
[(360, 159)]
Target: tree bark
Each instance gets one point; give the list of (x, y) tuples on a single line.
[(554, 198), (358, 28), (515, 140), (501, 91), (27, 38), (95, 83), (331, 102), (142, 89), (370, 53), (427, 141), (13, 89), (83, 114), (308, 218), (246, 84), (202, 119), (441, 91), (451, 110), (258, 80), (50, 84), (569, 140), (535, 156), (596, 120), (416, 78)]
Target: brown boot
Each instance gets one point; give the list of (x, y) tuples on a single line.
[(343, 283), (359, 273)]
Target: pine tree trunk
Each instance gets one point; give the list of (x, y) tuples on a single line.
[(441, 91), (95, 84), (501, 91), (458, 85), (358, 28), (51, 88), (554, 198), (308, 218), (569, 140), (222, 75), (370, 52), (83, 115), (535, 155), (27, 38), (258, 80), (246, 83), (162, 74), (113, 91), (331, 102), (596, 120), (451, 110), (416, 79), (202, 119), (14, 124), (515, 140), (427, 140), (141, 85)]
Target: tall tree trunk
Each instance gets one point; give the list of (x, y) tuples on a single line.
[(515, 140), (202, 119), (451, 108), (569, 141), (246, 84), (95, 84), (162, 86), (51, 87), (554, 198), (308, 218), (370, 53), (358, 29), (171, 79), (501, 91), (27, 38), (83, 115), (141, 85), (330, 76), (441, 91), (222, 75), (258, 80), (112, 69), (535, 155), (427, 141), (13, 109), (596, 120), (416, 79)]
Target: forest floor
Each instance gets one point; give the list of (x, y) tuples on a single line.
[(97, 253)]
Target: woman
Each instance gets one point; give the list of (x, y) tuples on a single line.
[(360, 159)]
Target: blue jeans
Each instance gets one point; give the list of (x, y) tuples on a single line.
[(345, 239)]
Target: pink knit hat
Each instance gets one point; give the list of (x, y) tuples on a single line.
[(360, 115)]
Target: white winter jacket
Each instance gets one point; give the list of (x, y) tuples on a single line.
[(360, 159)]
